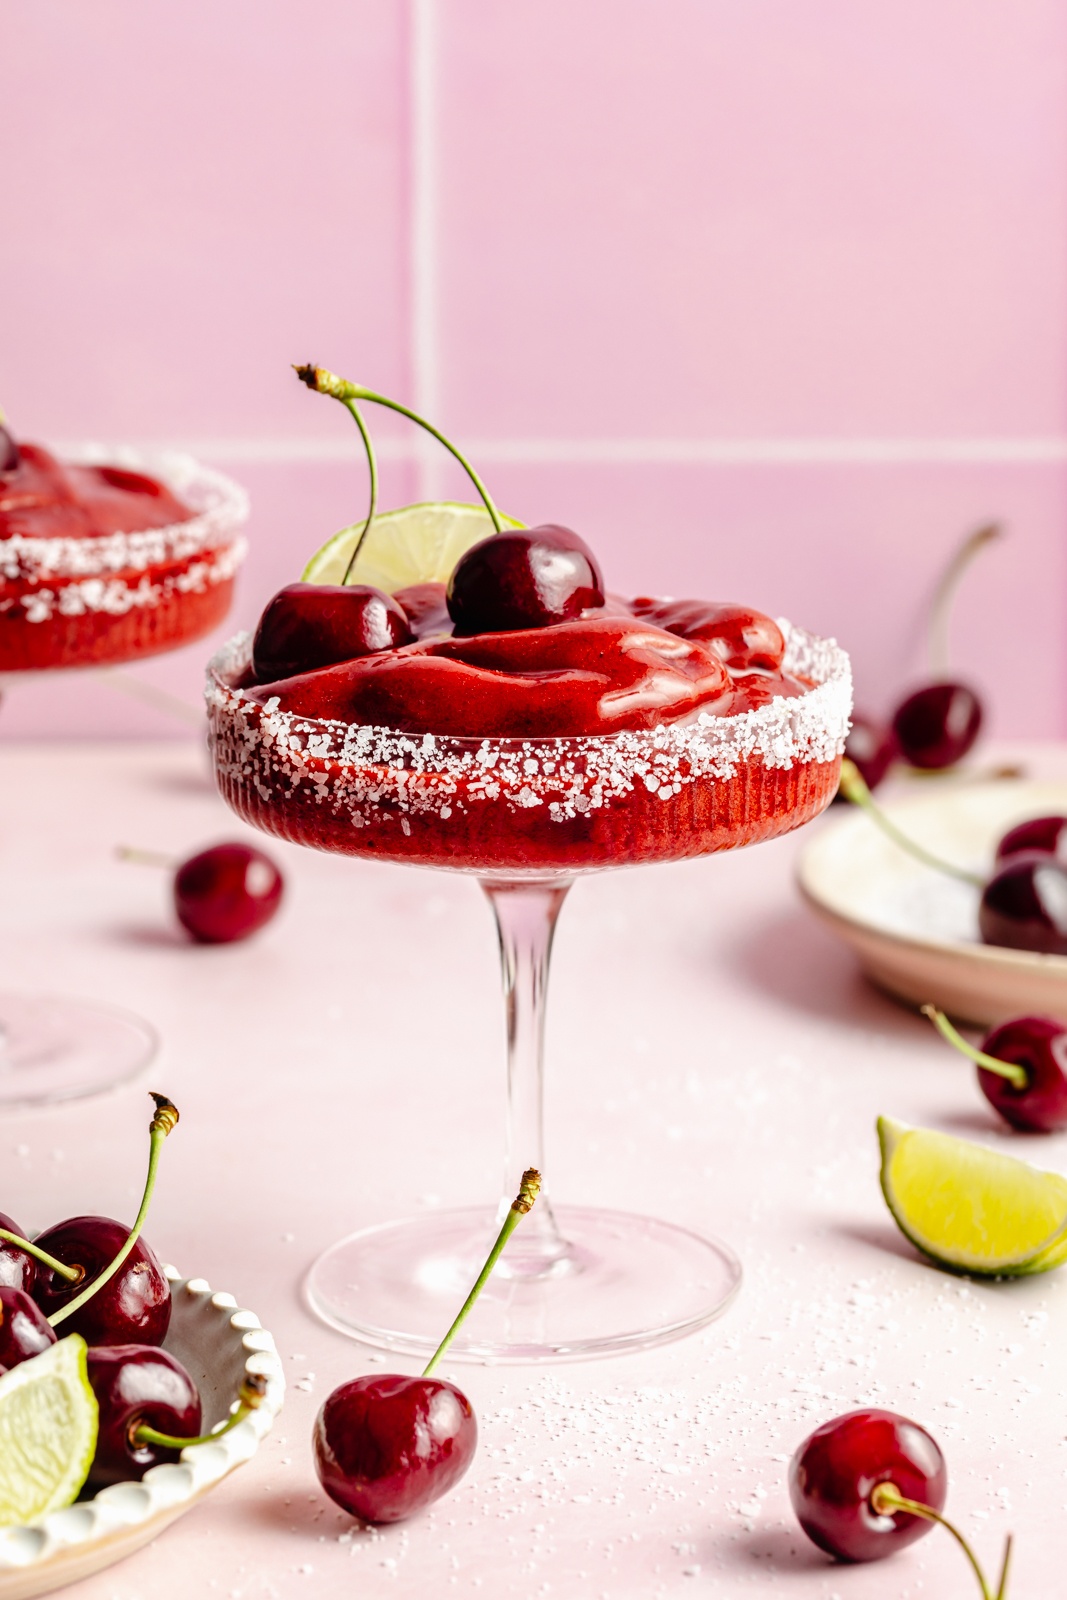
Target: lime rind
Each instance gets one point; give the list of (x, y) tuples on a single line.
[(969, 1208), (48, 1426), (413, 544)]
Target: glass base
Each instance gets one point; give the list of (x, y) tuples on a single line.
[(620, 1283), (52, 1048)]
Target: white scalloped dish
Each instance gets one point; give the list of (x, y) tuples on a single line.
[(218, 1343), (915, 930)]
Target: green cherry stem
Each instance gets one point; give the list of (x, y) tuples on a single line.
[(1017, 1076), (144, 858), (945, 593), (250, 1398), (325, 382), (855, 789), (163, 1122), (372, 468), (528, 1192), (72, 1274), (886, 1499)]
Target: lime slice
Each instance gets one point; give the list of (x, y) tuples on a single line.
[(970, 1208), (48, 1423), (414, 544)]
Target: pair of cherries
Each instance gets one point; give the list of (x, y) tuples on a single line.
[(95, 1277), (870, 1483), (519, 578), (387, 1445)]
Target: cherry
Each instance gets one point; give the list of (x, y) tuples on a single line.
[(132, 1307), (18, 1269), (936, 726), (308, 625), (10, 456), (834, 1473), (226, 893), (1022, 1069), (872, 749), (117, 1292), (1024, 905), (387, 1445), (1046, 834), (137, 1385), (523, 578), (24, 1332)]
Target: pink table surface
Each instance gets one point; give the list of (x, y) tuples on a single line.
[(714, 1058)]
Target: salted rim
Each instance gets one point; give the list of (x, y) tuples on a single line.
[(220, 508), (808, 727)]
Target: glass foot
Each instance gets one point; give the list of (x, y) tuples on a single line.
[(620, 1283), (52, 1048)]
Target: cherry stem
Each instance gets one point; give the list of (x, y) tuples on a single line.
[(325, 382), (250, 1398), (523, 1201), (886, 1498), (945, 594), (144, 858), (162, 1123), (72, 1274), (372, 467), (855, 790), (1017, 1076)]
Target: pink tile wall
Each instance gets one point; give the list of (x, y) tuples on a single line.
[(767, 300)]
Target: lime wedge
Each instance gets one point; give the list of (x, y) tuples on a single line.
[(48, 1423), (970, 1208), (413, 544)]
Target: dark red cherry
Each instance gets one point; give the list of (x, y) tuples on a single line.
[(835, 1471), (872, 747), (523, 578), (1024, 905), (309, 625), (387, 1446), (10, 455), (1039, 1046), (133, 1307), (1045, 834), (135, 1384), (17, 1269), (226, 893), (24, 1331), (936, 726)]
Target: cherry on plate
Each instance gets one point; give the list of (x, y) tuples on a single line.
[(1046, 835), (17, 1268), (1024, 905), (137, 1385), (132, 1307), (24, 1330)]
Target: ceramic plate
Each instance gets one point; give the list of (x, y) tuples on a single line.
[(218, 1343), (915, 930)]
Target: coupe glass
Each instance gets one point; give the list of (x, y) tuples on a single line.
[(525, 817), (78, 604)]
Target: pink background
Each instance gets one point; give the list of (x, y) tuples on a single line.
[(767, 300)]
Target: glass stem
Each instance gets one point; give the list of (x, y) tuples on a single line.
[(526, 912)]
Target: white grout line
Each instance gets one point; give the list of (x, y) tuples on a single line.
[(641, 452), (423, 233)]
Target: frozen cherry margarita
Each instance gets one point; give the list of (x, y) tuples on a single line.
[(109, 558), (504, 714)]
